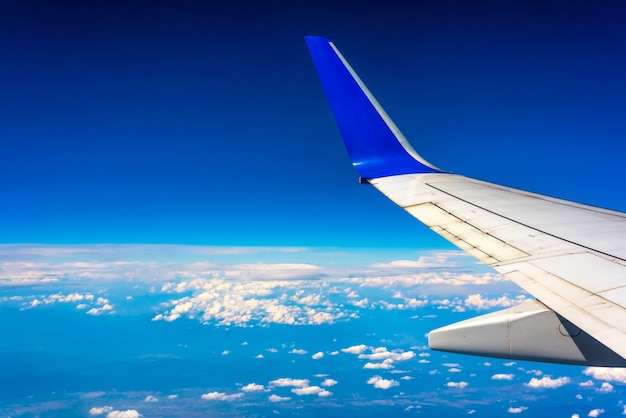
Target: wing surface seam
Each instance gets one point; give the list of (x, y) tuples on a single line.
[(528, 226)]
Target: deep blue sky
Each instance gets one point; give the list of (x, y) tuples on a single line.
[(184, 122)]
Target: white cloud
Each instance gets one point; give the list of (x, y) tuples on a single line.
[(454, 370), (298, 351), (253, 387), (381, 353), (609, 374), (380, 383), (225, 352), (510, 364), (259, 356), (151, 398), (575, 416), (476, 301), (595, 412), (129, 413), (387, 364), (460, 385), (99, 410), (605, 388), (503, 376), (287, 381), (329, 382), (586, 384), (547, 382), (311, 390), (220, 396), (317, 356), (517, 410), (247, 303), (355, 349), (276, 398), (172, 396)]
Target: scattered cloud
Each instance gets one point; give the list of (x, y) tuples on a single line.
[(220, 396), (311, 390), (355, 349), (605, 388), (287, 381), (516, 410), (609, 374), (380, 383), (595, 412), (253, 387), (386, 364), (548, 383), (276, 398), (151, 398), (460, 385), (329, 382), (99, 410), (298, 351), (503, 376), (129, 413), (317, 356)]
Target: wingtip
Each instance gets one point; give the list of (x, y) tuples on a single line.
[(375, 144)]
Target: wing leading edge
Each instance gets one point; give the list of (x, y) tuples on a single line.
[(571, 257)]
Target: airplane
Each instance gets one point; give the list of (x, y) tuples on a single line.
[(571, 257)]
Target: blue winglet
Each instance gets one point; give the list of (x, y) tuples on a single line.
[(375, 144)]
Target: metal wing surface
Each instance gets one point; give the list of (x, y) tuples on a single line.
[(571, 257)]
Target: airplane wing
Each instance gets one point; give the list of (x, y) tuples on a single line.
[(570, 256)]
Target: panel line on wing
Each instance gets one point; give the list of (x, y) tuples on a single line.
[(530, 227)]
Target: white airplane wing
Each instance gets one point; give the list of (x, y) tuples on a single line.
[(571, 257)]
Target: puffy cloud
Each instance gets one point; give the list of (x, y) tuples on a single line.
[(476, 301), (380, 383), (221, 396), (287, 381), (311, 390), (317, 356), (355, 349), (547, 382), (517, 410), (387, 364), (595, 412), (605, 388), (503, 376), (454, 370), (253, 387), (586, 384), (242, 303), (298, 351), (99, 410), (609, 374), (129, 413), (276, 398), (460, 385), (329, 382), (381, 353), (151, 398)]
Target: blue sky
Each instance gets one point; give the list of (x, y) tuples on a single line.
[(177, 202), (159, 122)]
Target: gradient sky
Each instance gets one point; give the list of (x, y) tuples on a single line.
[(195, 123), (204, 128)]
